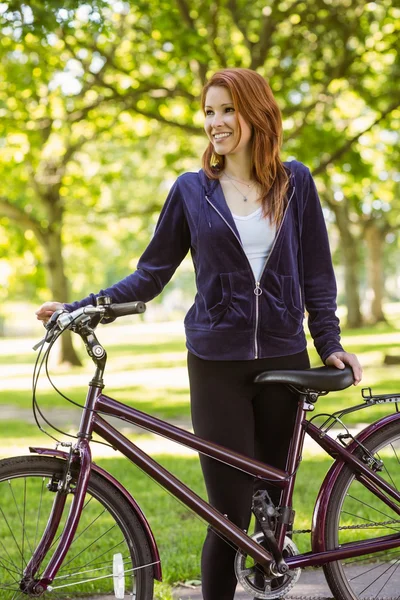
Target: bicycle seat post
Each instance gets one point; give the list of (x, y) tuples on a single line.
[(292, 463)]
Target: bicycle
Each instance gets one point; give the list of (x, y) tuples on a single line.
[(68, 527)]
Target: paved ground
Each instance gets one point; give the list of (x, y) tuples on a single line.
[(311, 586)]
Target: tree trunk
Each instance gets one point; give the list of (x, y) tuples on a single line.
[(59, 288), (374, 237), (351, 263)]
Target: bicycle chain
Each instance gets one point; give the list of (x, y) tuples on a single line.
[(361, 526)]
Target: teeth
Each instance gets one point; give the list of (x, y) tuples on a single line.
[(219, 136)]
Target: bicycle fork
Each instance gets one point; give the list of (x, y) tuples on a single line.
[(36, 587), (79, 454)]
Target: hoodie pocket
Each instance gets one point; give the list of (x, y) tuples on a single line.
[(280, 311), (225, 297)]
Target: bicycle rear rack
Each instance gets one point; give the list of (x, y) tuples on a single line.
[(347, 437)]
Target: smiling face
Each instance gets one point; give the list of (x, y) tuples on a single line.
[(226, 129)]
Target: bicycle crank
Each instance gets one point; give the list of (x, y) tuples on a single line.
[(256, 581)]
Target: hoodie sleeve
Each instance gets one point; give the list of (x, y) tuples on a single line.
[(319, 278), (166, 250)]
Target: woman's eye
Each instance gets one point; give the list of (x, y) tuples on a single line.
[(230, 108), (208, 112)]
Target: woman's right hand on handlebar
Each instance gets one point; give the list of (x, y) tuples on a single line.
[(47, 309)]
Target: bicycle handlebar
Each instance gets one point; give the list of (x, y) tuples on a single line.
[(64, 320), (127, 308), (106, 311)]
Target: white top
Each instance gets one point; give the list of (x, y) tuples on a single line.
[(257, 235)]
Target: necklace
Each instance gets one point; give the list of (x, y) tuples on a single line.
[(245, 196), (249, 185)]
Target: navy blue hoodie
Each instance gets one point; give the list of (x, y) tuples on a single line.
[(234, 317)]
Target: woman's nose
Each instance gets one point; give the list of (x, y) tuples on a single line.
[(218, 120)]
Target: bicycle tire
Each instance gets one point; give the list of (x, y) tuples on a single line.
[(377, 575), (107, 529)]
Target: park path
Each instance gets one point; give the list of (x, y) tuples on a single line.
[(311, 586), (18, 377)]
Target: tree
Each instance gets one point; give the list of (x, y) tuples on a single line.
[(46, 125), (75, 76)]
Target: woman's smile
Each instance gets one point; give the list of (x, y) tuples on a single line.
[(223, 122), (221, 136)]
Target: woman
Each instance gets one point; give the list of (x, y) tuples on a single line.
[(258, 240)]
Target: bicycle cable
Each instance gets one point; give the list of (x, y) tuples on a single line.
[(82, 406), (36, 373), (45, 360), (37, 408), (35, 405)]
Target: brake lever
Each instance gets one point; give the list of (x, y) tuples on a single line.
[(51, 328)]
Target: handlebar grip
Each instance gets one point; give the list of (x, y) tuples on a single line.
[(126, 308)]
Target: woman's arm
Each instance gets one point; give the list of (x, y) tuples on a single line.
[(320, 284), (166, 250)]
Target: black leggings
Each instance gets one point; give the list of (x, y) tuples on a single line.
[(256, 420)]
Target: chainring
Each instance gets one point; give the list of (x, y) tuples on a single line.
[(254, 580)]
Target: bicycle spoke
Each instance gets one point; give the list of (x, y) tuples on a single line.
[(375, 525), (395, 453), (94, 568), (381, 575), (15, 570), (21, 518), (107, 526), (39, 512), (23, 526), (5, 586), (12, 535), (352, 507), (90, 545), (59, 536), (361, 559), (76, 538), (109, 576), (100, 555), (369, 506), (387, 472)]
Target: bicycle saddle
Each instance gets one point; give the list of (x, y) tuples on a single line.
[(319, 379)]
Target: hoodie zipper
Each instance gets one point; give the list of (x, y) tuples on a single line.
[(257, 290)]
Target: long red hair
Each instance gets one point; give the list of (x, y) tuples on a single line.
[(253, 99)]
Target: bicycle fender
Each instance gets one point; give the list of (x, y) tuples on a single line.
[(132, 502), (318, 527)]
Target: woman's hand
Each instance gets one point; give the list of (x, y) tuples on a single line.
[(46, 310), (341, 359)]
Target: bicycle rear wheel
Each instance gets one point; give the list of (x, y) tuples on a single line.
[(353, 514), (108, 534)]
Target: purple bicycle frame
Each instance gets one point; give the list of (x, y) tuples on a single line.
[(92, 422)]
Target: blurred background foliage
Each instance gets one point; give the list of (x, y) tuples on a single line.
[(99, 112)]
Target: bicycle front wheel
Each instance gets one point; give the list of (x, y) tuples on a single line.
[(354, 514), (109, 551)]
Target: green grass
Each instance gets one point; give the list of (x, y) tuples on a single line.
[(178, 533), (173, 403), (15, 430)]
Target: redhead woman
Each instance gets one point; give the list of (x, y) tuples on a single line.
[(258, 240)]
